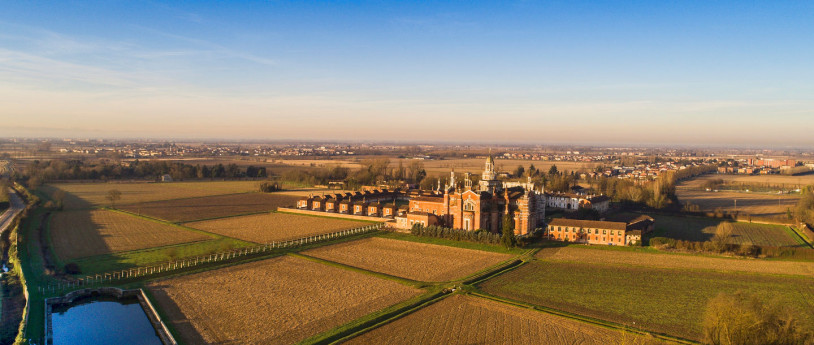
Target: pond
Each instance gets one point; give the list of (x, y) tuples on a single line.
[(102, 320)]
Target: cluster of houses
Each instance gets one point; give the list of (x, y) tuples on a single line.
[(753, 166)]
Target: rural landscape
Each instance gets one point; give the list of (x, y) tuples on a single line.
[(519, 172), (220, 258)]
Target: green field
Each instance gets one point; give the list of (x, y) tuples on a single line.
[(702, 229), (669, 301), (145, 257)]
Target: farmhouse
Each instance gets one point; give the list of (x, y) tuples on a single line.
[(615, 233)]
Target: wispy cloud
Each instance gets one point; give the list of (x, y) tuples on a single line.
[(213, 47)]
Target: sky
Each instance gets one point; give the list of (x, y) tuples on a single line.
[(737, 73)]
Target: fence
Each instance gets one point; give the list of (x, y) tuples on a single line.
[(141, 272)]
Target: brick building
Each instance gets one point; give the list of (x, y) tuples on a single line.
[(479, 207), (618, 233)]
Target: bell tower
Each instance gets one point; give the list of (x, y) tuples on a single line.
[(489, 170)]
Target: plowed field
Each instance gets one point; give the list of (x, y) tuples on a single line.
[(84, 195), (470, 320), (262, 228), (77, 234), (411, 260), (184, 210), (277, 301)]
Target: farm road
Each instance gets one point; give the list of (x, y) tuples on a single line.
[(16, 206)]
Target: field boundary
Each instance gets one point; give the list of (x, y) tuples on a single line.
[(798, 235), (581, 318), (161, 221), (223, 217), (405, 281)]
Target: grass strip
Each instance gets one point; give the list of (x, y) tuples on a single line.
[(799, 237), (404, 281), (452, 243)]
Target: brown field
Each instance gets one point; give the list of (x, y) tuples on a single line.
[(755, 204), (790, 181), (77, 234), (615, 257), (759, 204), (184, 210), (411, 260), (84, 195), (277, 301), (462, 319), (300, 192), (263, 228)]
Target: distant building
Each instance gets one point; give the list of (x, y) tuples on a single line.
[(615, 233), (572, 202), (166, 178)]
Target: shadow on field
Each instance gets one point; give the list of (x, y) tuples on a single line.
[(175, 318)]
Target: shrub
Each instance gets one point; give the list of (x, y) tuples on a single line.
[(749, 250), (662, 242), (72, 268), (743, 319)]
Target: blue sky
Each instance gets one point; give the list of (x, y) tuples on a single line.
[(626, 72)]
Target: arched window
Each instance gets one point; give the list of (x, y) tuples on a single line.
[(469, 206)]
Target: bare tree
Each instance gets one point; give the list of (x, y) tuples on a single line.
[(113, 195), (723, 234), (738, 318)]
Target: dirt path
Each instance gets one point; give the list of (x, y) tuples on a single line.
[(16, 205)]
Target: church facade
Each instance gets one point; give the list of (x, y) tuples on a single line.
[(478, 207)]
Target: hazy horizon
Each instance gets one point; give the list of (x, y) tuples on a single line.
[(689, 73)]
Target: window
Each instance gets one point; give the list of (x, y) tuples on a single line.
[(596, 231), (604, 231)]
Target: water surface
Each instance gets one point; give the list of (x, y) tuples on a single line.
[(102, 320)]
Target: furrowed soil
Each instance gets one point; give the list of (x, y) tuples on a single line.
[(184, 210), (85, 195), (411, 260), (76, 234), (276, 301), (670, 301), (263, 228), (470, 320)]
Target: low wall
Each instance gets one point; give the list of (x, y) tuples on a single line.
[(159, 326), (334, 215)]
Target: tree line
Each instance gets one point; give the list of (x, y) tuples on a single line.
[(43, 171), (505, 237)]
